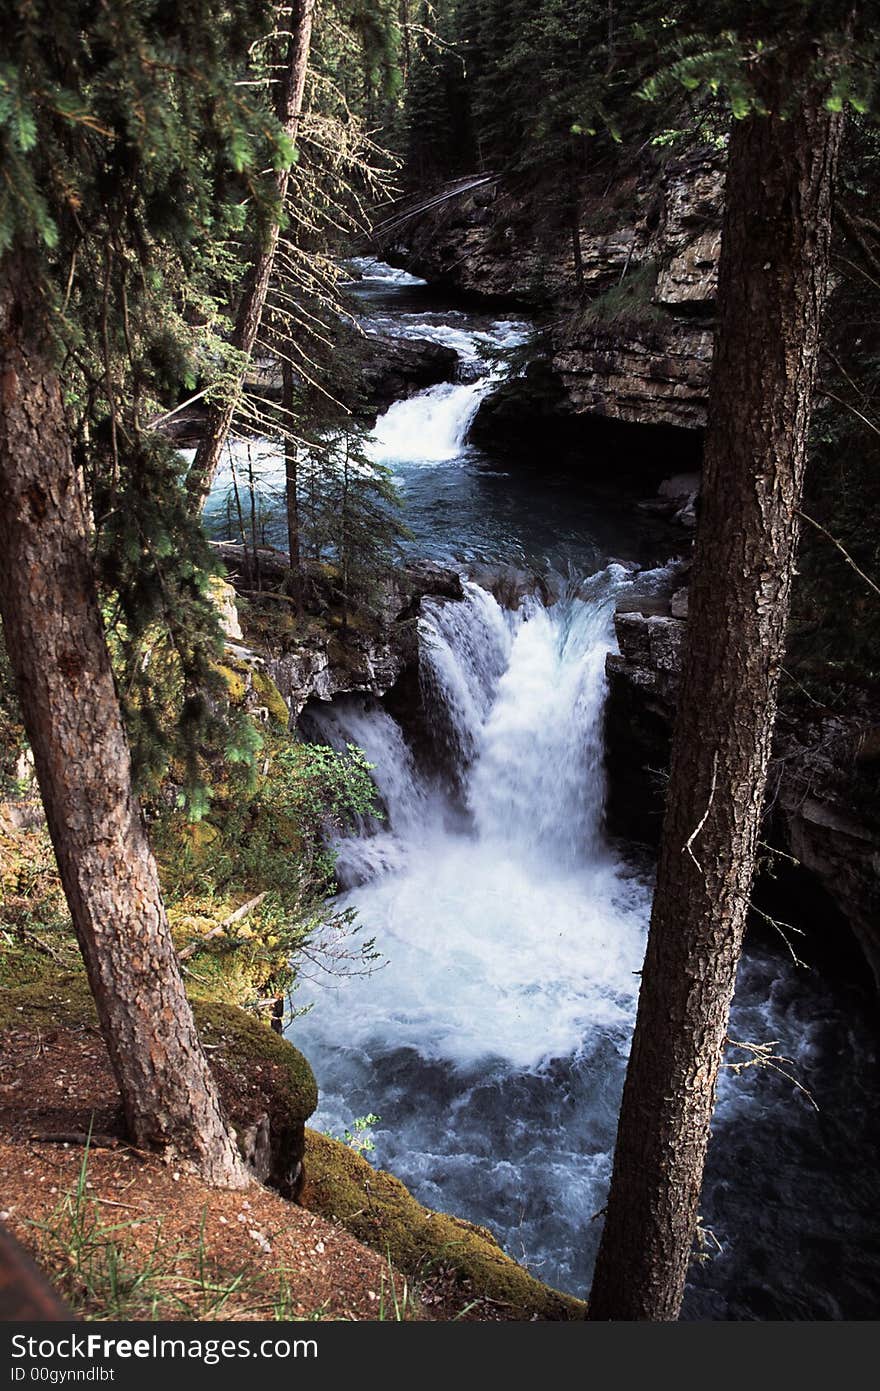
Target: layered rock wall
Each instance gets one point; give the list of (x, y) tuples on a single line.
[(819, 803), (631, 338)]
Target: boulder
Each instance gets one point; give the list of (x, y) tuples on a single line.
[(367, 660), (395, 368), (633, 337), (679, 487)]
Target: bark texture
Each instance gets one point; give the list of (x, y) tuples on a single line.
[(55, 638), (291, 487), (250, 310), (773, 276)]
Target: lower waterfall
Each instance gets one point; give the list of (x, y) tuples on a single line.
[(512, 934)]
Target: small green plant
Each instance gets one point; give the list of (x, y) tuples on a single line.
[(629, 301), (97, 1278), (359, 1138), (396, 1305), (270, 845)]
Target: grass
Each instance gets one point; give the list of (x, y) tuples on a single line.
[(628, 304), (105, 1270)]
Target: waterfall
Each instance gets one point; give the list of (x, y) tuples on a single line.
[(464, 651), (431, 426), (512, 937), (538, 782), (493, 1040)]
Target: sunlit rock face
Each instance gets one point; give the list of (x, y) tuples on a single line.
[(634, 339), (649, 375)]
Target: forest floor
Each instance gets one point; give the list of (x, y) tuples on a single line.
[(122, 1235)]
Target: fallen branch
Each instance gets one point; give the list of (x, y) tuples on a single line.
[(242, 912), (79, 1137)]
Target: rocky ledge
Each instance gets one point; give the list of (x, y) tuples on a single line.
[(395, 368), (323, 659), (632, 332), (821, 808), (654, 374)]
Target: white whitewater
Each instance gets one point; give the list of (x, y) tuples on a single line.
[(432, 426), (511, 934)]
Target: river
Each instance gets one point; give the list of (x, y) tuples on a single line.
[(492, 1043)]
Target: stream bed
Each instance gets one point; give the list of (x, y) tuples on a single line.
[(492, 1042)]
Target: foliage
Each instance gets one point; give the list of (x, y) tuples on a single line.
[(131, 159), (521, 87), (140, 145), (629, 302), (263, 842), (270, 839), (721, 49), (358, 1136)]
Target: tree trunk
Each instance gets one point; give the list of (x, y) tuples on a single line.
[(58, 651), (405, 42), (250, 310), (773, 276), (291, 487)]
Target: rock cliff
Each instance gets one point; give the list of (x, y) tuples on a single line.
[(632, 293), (821, 809), (320, 661)]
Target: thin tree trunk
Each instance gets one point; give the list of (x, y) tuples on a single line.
[(405, 42), (773, 279), (57, 648), (250, 311), (291, 486), (255, 540)]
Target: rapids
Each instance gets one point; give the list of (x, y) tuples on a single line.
[(493, 1040)]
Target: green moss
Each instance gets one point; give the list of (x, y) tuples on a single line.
[(271, 697), (63, 1000), (247, 1041), (235, 682), (377, 1209), (50, 998)]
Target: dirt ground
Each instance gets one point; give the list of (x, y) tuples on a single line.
[(122, 1235)]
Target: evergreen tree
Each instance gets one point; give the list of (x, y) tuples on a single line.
[(291, 82), (439, 132), (129, 153), (788, 97)]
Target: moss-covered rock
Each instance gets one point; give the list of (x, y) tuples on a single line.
[(267, 692), (253, 1045), (267, 1087), (377, 1209), (235, 678)]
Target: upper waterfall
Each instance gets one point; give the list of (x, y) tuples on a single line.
[(432, 426)]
